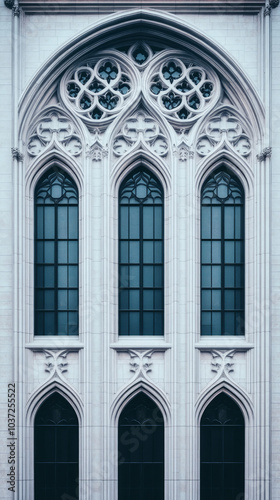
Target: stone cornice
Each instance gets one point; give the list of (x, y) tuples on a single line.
[(178, 7)]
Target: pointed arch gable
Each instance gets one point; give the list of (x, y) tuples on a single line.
[(138, 386), (42, 393), (222, 157), (126, 25), (234, 391)]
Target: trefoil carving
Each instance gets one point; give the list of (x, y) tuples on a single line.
[(224, 128), (266, 153), (54, 129), (140, 129)]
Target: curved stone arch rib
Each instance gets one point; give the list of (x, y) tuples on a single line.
[(40, 395), (239, 396), (138, 386), (168, 26), (237, 166), (133, 160), (48, 160)]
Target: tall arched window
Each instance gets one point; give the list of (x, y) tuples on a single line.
[(56, 254), (56, 450), (222, 450), (222, 255), (141, 255), (141, 451)]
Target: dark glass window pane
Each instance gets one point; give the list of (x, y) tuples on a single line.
[(62, 223), (56, 450), (134, 299), (141, 451), (222, 450), (49, 272), (148, 222), (222, 224), (148, 252), (134, 323), (140, 242), (49, 223), (49, 252), (56, 243), (134, 253)]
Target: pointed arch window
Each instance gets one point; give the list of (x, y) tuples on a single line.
[(141, 450), (222, 255), (56, 254), (56, 450), (222, 450), (141, 255)]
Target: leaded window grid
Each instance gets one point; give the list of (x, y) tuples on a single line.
[(225, 296), (151, 269), (222, 450), (56, 449), (141, 450), (56, 291)]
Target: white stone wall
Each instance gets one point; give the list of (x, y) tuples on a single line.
[(99, 371), (275, 258)]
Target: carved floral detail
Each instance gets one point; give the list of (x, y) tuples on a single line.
[(266, 153), (56, 363), (141, 362), (222, 363), (140, 129), (224, 128), (54, 128)]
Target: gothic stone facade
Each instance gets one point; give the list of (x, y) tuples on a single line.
[(97, 89)]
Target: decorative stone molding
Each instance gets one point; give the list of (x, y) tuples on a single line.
[(140, 129), (224, 128), (56, 361), (96, 150), (183, 150), (271, 5), (266, 153), (17, 155), (222, 363), (183, 90), (54, 129), (141, 364), (16, 10), (97, 90)]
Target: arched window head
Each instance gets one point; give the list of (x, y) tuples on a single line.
[(222, 255), (56, 254), (56, 450), (141, 255), (141, 450), (222, 449)]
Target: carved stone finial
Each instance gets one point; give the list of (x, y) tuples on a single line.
[(96, 152), (16, 154), (16, 10), (266, 153), (9, 3), (271, 5)]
